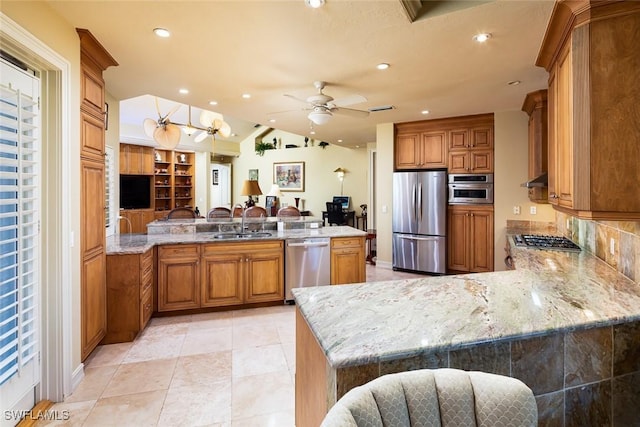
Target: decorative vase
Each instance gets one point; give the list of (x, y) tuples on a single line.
[(297, 199)]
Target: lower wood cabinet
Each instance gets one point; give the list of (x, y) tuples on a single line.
[(136, 220), (238, 273), (130, 279), (470, 238), (347, 260), (178, 277)]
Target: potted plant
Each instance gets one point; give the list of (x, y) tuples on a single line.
[(261, 147)]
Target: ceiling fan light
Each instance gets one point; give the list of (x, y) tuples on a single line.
[(189, 130), (314, 3), (319, 117)]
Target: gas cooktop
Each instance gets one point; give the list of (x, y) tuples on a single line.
[(555, 243)]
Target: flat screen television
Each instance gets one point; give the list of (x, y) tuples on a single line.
[(343, 200), (135, 192)]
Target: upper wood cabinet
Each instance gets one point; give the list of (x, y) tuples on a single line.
[(535, 105), (593, 93), (460, 144), (136, 160)]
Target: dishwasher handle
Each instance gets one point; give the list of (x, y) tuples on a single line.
[(307, 245)]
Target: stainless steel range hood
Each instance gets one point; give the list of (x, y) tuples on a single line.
[(539, 181)]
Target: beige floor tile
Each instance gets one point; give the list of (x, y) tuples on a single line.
[(93, 384), (166, 320), (197, 405), (68, 414), (154, 331), (106, 355), (202, 369), (141, 377), (140, 409), (258, 360), (378, 274), (289, 349), (287, 333), (276, 419), (221, 319), (160, 347), (254, 335), (207, 341), (261, 394)]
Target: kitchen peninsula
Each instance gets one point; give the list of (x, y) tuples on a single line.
[(564, 323)]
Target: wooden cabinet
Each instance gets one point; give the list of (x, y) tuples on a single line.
[(535, 105), (174, 173), (470, 238), (426, 150), (130, 279), (136, 160), (593, 144), (238, 273), (178, 277), (94, 59), (347, 260), (460, 144), (136, 220)]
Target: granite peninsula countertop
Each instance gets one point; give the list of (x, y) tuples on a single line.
[(121, 244), (549, 291)]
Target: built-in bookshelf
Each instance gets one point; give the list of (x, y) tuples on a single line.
[(173, 180)]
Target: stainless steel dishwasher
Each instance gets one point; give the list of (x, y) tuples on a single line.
[(307, 263)]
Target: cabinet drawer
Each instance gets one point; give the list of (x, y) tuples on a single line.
[(146, 308), (178, 251), (348, 242)]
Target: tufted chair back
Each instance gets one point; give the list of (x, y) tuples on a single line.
[(436, 398)]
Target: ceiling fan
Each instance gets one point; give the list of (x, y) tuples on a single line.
[(322, 106), (167, 133)]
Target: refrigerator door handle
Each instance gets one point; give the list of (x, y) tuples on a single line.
[(420, 201), (422, 239), (415, 203)]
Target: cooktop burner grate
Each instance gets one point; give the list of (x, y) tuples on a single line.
[(556, 243)]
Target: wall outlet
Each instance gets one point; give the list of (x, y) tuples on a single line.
[(516, 210), (384, 208), (533, 210), (612, 246)]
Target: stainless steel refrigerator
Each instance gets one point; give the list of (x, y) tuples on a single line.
[(420, 221)]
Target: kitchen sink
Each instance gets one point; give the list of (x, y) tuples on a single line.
[(223, 236)]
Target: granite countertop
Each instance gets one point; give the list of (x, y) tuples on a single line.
[(549, 291), (121, 244)]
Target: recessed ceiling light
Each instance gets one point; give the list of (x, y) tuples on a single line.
[(339, 140), (357, 146), (184, 91), (514, 82), (482, 37), (425, 112), (161, 32), (314, 3), (382, 66), (213, 102), (234, 134), (272, 120), (313, 132), (246, 95)]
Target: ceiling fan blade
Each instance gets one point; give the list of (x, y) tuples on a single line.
[(149, 127), (349, 100), (167, 136), (296, 98), (350, 112), (200, 137), (224, 130), (290, 111), (173, 110), (207, 117)]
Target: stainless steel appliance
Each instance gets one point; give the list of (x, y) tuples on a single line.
[(307, 263), (537, 241), (419, 221), (470, 188)]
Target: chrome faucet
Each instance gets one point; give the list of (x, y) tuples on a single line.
[(238, 205)]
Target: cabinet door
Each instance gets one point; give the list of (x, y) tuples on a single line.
[(221, 279), (553, 146), (459, 139), (482, 137), (407, 151), (459, 162), (93, 302), (265, 276), (178, 277), (458, 236), (433, 150), (481, 240), (564, 132), (481, 161), (92, 137)]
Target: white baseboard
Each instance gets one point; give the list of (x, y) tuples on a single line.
[(76, 378), (384, 264)]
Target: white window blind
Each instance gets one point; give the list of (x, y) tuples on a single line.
[(109, 193), (19, 230)]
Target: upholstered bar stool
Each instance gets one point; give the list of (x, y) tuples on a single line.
[(436, 398)]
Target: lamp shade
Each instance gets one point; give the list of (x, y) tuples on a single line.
[(275, 191), (250, 188), (319, 116), (340, 172)]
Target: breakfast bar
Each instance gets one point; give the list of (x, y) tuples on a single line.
[(564, 323)]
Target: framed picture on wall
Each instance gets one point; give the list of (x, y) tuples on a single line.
[(289, 176), (215, 177), (253, 174)]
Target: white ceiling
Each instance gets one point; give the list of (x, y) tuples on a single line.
[(222, 49)]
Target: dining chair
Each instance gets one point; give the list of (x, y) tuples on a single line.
[(289, 212), (335, 215), (219, 212), (255, 212), (181, 213)]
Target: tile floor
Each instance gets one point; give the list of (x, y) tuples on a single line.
[(234, 368)]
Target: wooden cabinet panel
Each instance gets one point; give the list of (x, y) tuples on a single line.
[(424, 150), (136, 160), (459, 162), (434, 150), (459, 139), (92, 90), (265, 276), (178, 277), (92, 207), (347, 260), (535, 105), (564, 143), (481, 161), (221, 279), (407, 151), (92, 137), (93, 302), (482, 137), (136, 220), (470, 238)]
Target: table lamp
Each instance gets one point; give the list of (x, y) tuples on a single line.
[(250, 188)]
